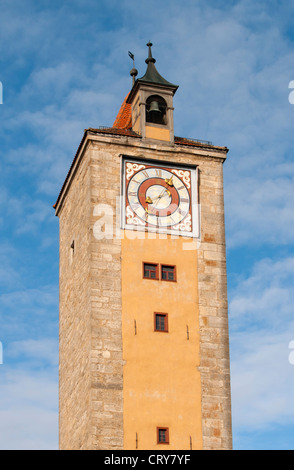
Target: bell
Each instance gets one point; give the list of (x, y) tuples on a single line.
[(154, 107)]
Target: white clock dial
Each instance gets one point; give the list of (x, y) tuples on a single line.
[(158, 197)]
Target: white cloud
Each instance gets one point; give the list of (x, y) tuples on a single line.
[(266, 298), (39, 351), (28, 409), (9, 273), (261, 211), (25, 311), (262, 327), (262, 380), (25, 214), (45, 296)]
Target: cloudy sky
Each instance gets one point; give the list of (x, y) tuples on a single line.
[(64, 67)]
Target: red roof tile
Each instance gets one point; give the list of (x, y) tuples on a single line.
[(124, 118)]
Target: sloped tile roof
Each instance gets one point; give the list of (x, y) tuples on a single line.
[(124, 118)]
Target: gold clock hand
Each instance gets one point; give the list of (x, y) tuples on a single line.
[(150, 201), (169, 181)]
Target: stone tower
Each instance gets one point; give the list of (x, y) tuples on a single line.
[(144, 344)]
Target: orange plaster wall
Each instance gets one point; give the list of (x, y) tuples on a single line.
[(161, 378), (157, 133)]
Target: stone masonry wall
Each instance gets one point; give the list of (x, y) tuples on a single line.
[(74, 316), (91, 343), (213, 311), (106, 295), (106, 305)]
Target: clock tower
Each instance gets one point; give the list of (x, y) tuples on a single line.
[(144, 345)]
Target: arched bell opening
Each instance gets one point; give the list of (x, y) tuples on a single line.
[(156, 110)]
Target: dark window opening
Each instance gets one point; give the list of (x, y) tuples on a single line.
[(168, 273), (162, 436), (150, 271), (160, 322)]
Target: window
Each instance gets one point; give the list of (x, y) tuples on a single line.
[(162, 436), (160, 322), (168, 273), (150, 271), (72, 251)]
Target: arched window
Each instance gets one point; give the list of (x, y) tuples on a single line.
[(156, 110)]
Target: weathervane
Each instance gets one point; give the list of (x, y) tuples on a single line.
[(134, 71)]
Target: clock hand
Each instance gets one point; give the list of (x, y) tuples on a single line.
[(151, 201), (169, 181), (161, 195)]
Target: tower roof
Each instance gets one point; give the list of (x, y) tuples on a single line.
[(152, 75)]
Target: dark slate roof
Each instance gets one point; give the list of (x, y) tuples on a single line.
[(153, 76)]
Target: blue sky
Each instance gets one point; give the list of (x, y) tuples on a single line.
[(64, 67)]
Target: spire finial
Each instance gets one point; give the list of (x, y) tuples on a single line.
[(150, 58)]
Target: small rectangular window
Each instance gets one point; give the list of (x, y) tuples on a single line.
[(150, 271), (168, 273), (160, 322), (162, 436)]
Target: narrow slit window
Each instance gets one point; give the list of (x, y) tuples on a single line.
[(160, 322), (168, 273), (72, 251), (162, 436), (150, 271)]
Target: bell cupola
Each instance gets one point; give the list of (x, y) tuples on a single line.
[(151, 100)]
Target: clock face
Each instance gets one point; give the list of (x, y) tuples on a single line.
[(158, 197)]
